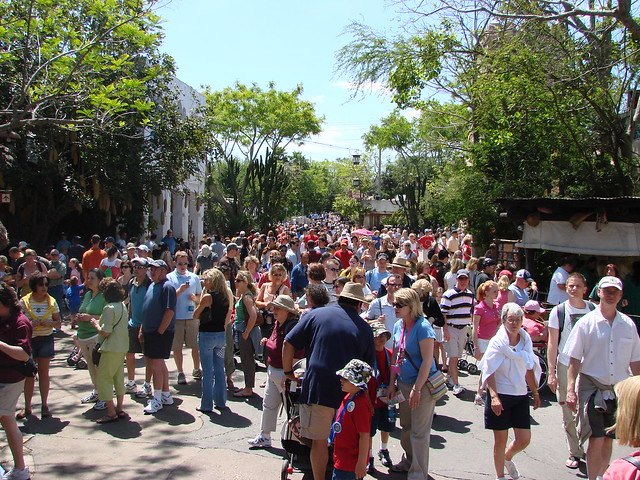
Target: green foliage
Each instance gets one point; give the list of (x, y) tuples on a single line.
[(349, 208)]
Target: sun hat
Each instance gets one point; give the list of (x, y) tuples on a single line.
[(400, 262), (353, 291), (357, 372), (285, 302)]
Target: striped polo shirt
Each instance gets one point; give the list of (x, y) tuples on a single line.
[(457, 306)]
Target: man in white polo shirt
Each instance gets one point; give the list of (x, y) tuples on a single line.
[(603, 347)]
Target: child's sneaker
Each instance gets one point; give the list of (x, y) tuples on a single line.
[(145, 391), (130, 386)]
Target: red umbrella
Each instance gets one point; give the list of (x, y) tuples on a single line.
[(362, 232)]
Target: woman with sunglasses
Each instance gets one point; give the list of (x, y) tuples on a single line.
[(44, 313), (126, 273), (243, 325), (358, 275), (411, 365), (269, 291)]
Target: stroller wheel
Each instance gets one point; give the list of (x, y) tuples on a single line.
[(472, 369), (462, 363), (82, 364), (284, 470)]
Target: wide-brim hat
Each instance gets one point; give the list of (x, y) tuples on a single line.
[(285, 302), (356, 372), (400, 262), (353, 291)]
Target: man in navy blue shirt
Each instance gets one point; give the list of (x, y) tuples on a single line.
[(331, 337)]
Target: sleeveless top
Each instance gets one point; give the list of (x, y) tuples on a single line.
[(212, 318)]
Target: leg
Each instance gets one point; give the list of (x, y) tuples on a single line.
[(219, 378), (206, 363), (229, 365), (195, 355), (405, 423), (165, 376), (420, 432), (568, 419), (86, 346), (248, 364), (521, 438), (598, 456), (44, 381), (500, 438), (29, 385), (131, 366), (157, 367), (14, 439), (272, 400), (147, 370), (319, 458), (177, 356)]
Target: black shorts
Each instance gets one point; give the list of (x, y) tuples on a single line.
[(601, 420), (515, 413), (134, 342), (380, 421), (157, 346)]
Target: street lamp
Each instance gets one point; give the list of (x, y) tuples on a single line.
[(356, 159)]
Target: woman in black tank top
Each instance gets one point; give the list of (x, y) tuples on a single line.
[(214, 312)]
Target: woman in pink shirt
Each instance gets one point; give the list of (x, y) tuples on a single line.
[(486, 320)]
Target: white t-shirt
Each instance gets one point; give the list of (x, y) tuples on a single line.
[(184, 305), (381, 306), (557, 296), (571, 316), (449, 280)]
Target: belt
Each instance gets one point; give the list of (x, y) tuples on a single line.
[(459, 327)]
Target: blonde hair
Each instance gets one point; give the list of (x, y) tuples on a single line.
[(503, 283), (277, 267), (410, 297), (246, 276), (218, 283), (248, 260), (356, 270), (456, 264), (627, 426), (481, 293), (423, 287), (472, 263)]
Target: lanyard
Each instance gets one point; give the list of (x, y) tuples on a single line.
[(375, 363), (336, 427)]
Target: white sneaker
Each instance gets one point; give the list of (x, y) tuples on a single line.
[(130, 386), (153, 406), (15, 474), (91, 398), (261, 441), (458, 390), (145, 391), (100, 405), (448, 382), (167, 399), (512, 470), (478, 400)]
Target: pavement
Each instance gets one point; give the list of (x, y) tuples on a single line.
[(182, 443)]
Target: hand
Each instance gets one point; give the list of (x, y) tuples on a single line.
[(414, 398), (391, 392), (477, 354), (445, 333), (382, 318), (161, 332), (140, 336), (361, 470), (572, 401), (536, 400), (496, 405), (245, 335), (263, 341), (183, 287), (552, 381)]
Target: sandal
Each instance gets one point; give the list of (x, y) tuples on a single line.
[(122, 414), (572, 462), (45, 411), (230, 384), (23, 413), (108, 419)]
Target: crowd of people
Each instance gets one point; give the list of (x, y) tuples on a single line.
[(382, 318)]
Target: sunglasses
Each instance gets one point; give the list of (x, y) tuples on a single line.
[(239, 280), (398, 305), (139, 267), (334, 269), (393, 285), (359, 276), (182, 264), (277, 275)]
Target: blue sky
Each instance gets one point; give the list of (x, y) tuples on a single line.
[(219, 42)]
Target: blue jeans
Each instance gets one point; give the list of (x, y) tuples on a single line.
[(343, 475), (214, 381)]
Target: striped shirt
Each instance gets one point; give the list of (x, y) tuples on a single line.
[(457, 306)]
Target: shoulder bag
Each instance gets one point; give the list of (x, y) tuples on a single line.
[(95, 352)]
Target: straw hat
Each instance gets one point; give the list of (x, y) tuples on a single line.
[(285, 302), (400, 262), (353, 291)]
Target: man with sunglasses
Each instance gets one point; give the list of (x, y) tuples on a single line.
[(138, 286), (188, 289), (331, 270), (381, 308)]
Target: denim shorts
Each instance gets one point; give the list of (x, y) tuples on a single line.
[(42, 347), (343, 475)]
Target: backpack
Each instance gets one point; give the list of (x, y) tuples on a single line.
[(562, 311)]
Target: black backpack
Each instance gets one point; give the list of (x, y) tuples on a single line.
[(562, 312)]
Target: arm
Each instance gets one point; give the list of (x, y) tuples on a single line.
[(426, 352), (260, 297), (250, 309), (287, 360), (496, 404), (391, 389), (14, 351), (574, 369), (166, 321), (552, 357), (363, 455), (635, 368), (476, 324), (531, 382), (205, 301)]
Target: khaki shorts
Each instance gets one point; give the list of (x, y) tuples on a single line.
[(315, 421), (457, 339), (186, 334), (9, 395)]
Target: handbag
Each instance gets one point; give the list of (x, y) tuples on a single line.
[(435, 382), (95, 352)]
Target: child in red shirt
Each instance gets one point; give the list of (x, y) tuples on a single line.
[(350, 431)]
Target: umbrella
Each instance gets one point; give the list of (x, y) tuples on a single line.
[(362, 231)]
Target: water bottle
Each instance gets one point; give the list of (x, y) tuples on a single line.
[(392, 412)]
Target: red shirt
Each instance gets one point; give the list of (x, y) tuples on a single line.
[(347, 442), (275, 342), (344, 256), (381, 376), (426, 241), (314, 256), (310, 237), (16, 331), (92, 258)]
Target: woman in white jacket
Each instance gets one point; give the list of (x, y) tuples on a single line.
[(508, 367)]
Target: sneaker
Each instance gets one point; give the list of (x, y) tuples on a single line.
[(145, 391), (197, 374), (512, 470), (100, 405), (449, 382), (384, 457), (167, 399), (153, 406), (15, 474), (130, 386), (478, 400), (261, 441), (458, 390), (91, 398), (182, 380)]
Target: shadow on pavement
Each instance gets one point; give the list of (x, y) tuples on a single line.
[(45, 426), (443, 423), (227, 418)]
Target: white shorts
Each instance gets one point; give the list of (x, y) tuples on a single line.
[(439, 334), (482, 345), (457, 339)]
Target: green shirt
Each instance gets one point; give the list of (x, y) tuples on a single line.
[(241, 310), (114, 320), (93, 306)]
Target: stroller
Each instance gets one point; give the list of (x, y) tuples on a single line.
[(468, 362), (75, 359)]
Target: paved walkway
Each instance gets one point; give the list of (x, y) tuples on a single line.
[(180, 443)]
